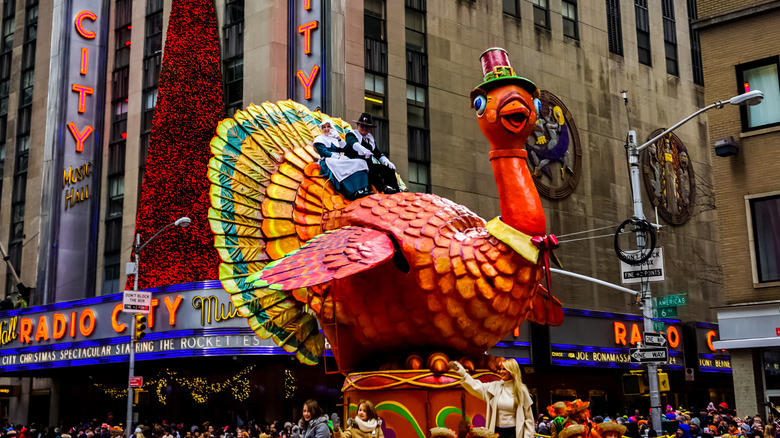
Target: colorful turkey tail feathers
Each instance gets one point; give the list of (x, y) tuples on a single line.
[(265, 205)]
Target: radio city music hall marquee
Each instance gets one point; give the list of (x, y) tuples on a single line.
[(77, 333)]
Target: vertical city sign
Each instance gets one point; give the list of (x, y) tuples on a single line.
[(306, 53), (73, 221)]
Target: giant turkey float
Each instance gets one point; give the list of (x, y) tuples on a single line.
[(398, 283)]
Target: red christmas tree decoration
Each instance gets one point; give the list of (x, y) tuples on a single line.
[(189, 107)]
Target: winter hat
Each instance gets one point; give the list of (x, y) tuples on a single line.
[(138, 430), (710, 407), (287, 424), (724, 405)]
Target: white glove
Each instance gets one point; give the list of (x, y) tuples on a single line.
[(387, 162), (362, 151), (457, 368)]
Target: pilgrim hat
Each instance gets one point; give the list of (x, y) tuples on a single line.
[(497, 71), (365, 119)]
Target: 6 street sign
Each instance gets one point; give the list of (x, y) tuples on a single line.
[(665, 312), (649, 355), (654, 339)]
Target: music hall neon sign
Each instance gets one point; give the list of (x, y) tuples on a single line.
[(76, 195), (307, 50)]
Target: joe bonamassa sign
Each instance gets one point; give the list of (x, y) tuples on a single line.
[(96, 330)]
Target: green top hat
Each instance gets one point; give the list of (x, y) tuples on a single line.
[(497, 71)]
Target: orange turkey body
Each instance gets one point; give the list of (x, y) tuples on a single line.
[(463, 292), (385, 275)]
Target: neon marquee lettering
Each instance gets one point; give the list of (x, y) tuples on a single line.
[(80, 24), (308, 81), (83, 92), (79, 136), (306, 29), (84, 60)]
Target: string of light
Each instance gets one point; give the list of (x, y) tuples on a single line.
[(199, 388)]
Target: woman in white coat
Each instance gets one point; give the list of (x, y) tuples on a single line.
[(508, 400)]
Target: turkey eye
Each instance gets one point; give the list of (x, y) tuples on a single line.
[(479, 104)]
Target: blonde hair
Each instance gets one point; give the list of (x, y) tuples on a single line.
[(517, 377)]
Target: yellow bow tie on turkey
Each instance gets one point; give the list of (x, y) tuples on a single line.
[(516, 240)]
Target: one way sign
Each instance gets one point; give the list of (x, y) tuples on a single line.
[(654, 339), (649, 355)]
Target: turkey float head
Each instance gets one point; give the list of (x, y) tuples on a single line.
[(390, 279)]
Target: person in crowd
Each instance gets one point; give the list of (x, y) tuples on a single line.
[(579, 414), (366, 424), (558, 412), (508, 400), (683, 431), (770, 431), (543, 425), (574, 431), (349, 176), (314, 422), (610, 430), (361, 144)]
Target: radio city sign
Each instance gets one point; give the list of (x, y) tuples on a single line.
[(592, 338), (169, 311), (95, 330)]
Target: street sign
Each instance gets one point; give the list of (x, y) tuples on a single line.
[(670, 301), (136, 381), (654, 339), (136, 302), (649, 355), (659, 326), (664, 312), (651, 270)]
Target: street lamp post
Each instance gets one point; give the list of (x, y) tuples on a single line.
[(750, 98), (183, 222)]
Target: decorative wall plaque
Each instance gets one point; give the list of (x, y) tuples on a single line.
[(669, 178), (554, 153)]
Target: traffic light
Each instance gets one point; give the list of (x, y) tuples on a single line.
[(633, 384), (139, 326), (663, 382), (140, 397)]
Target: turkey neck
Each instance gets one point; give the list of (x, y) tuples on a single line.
[(521, 207)]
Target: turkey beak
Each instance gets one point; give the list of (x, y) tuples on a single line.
[(514, 115)]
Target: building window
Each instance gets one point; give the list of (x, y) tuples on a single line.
[(614, 27), (765, 215), (541, 13), (415, 106), (375, 95), (569, 13), (670, 37), (698, 70), (374, 19), (760, 75), (512, 7), (233, 56), (419, 160), (643, 32), (415, 30), (154, 30)]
